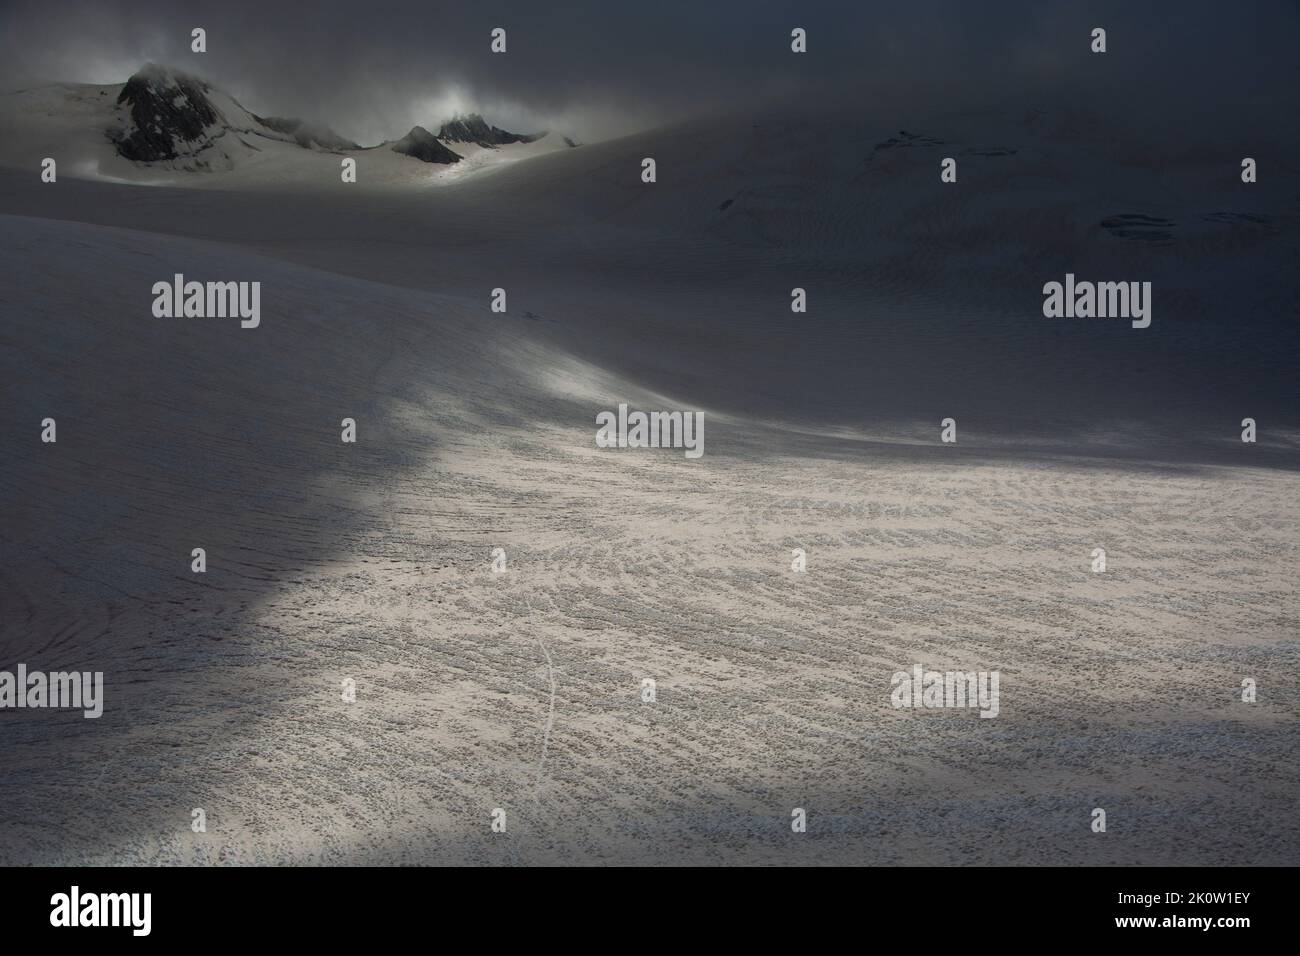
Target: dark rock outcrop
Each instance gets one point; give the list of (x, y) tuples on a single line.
[(170, 115), (420, 144), (472, 128)]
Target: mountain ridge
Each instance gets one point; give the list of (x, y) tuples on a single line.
[(472, 128), (171, 116)]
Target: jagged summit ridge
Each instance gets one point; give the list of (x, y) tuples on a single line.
[(472, 128)]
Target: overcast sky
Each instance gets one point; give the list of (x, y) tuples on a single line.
[(373, 68)]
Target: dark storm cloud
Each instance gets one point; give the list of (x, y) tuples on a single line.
[(371, 69)]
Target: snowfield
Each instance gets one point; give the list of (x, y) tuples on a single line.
[(522, 690)]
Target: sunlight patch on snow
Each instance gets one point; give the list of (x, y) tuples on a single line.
[(92, 169)]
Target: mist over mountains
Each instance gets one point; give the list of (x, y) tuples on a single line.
[(309, 134), (167, 115), (605, 70)]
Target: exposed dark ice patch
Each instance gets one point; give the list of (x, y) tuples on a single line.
[(1236, 218), (906, 140), (1141, 228), (726, 203)]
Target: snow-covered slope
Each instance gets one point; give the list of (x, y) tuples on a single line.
[(310, 135), (922, 295), (371, 561)]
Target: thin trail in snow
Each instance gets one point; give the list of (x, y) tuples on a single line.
[(550, 717)]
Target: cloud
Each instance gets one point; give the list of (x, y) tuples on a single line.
[(594, 69)]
